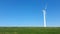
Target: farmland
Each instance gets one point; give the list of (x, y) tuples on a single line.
[(29, 30)]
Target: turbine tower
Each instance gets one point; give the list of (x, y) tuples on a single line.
[(44, 14)]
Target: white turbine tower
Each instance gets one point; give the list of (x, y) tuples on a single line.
[(44, 15)]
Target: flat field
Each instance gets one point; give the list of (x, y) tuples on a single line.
[(29, 30)]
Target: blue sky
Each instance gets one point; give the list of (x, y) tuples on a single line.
[(29, 12)]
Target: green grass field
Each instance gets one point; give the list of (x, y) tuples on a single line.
[(29, 30)]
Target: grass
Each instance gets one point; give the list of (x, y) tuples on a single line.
[(29, 30)]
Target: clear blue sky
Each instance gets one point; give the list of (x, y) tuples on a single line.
[(29, 12)]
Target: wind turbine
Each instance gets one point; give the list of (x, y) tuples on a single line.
[(44, 15)]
